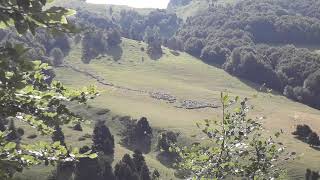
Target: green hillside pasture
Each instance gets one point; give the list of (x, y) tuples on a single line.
[(186, 78)]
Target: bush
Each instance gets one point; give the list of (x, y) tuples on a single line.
[(166, 140), (313, 139), (77, 127), (302, 131)]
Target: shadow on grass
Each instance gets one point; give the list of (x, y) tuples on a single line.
[(302, 139), (168, 159)]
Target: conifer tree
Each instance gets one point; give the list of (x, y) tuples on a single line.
[(138, 160), (13, 134), (126, 169), (145, 173), (108, 173), (88, 168), (102, 139)]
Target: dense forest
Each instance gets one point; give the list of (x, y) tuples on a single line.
[(257, 40)]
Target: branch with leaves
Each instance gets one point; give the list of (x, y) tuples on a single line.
[(27, 92), (233, 146)]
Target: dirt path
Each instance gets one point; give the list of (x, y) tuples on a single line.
[(161, 96)]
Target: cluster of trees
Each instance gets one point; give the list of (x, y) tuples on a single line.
[(134, 168), (231, 36), (45, 46), (99, 35), (166, 155), (100, 168), (295, 72), (137, 134), (305, 133), (134, 25), (155, 29), (153, 39), (312, 175)]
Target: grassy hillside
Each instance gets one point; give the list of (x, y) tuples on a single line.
[(186, 78)]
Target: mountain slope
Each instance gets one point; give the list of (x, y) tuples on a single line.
[(130, 79)]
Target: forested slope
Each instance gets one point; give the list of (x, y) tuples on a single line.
[(231, 36)]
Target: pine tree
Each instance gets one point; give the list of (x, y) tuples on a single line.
[(77, 127), (126, 169), (108, 173), (13, 134), (64, 170), (102, 139), (141, 165), (126, 159), (138, 160), (58, 135), (143, 128), (57, 56), (88, 168), (145, 173), (143, 135)]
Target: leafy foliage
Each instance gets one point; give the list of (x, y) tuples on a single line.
[(26, 94), (233, 146), (31, 14)]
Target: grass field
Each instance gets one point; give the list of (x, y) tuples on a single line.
[(186, 78)]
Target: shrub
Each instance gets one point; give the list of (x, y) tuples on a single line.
[(77, 127), (313, 139), (302, 131)]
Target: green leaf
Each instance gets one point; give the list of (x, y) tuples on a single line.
[(71, 12), (93, 156), (10, 146)]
